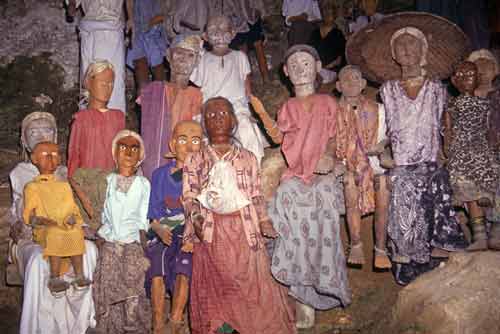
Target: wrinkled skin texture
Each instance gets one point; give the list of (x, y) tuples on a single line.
[(219, 33), (100, 87), (182, 61), (39, 130), (351, 84)]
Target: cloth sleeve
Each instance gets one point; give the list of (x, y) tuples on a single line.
[(198, 77), (314, 13), (31, 201), (74, 147), (144, 204), (156, 209), (244, 65), (286, 122), (77, 215), (256, 195), (16, 209), (190, 190), (332, 121)]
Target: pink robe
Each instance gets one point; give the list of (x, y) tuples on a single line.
[(92, 134), (306, 134)]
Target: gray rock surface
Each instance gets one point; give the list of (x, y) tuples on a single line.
[(461, 297)]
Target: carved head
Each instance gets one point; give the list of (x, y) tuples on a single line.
[(409, 47), (369, 6), (465, 78), (351, 82), (185, 139), (99, 81), (38, 127), (219, 120), (128, 150), (487, 65), (45, 156), (220, 32), (184, 54), (302, 64)]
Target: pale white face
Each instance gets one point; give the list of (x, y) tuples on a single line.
[(37, 131), (183, 61), (351, 83), (408, 50), (302, 68), (219, 32)]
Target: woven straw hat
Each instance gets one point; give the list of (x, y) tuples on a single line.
[(370, 47)]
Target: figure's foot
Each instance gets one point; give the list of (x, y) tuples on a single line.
[(305, 316), (176, 327), (478, 245), (440, 253), (382, 261), (494, 239), (479, 237), (81, 283), (356, 254), (58, 287)]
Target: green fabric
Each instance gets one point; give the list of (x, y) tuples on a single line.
[(225, 328), (94, 184)]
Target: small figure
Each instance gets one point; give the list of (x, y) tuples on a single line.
[(164, 104), (226, 73), (50, 209), (149, 45), (102, 37), (306, 130), (361, 132), (227, 219), (170, 257), (92, 130), (472, 163), (330, 42), (119, 276), (422, 226), (301, 16), (487, 66)]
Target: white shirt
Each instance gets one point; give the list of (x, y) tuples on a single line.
[(102, 10), (223, 76), (363, 21), (298, 7)]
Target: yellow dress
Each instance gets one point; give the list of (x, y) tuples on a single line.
[(53, 199)]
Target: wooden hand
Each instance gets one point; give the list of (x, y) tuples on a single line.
[(267, 229), (38, 221)]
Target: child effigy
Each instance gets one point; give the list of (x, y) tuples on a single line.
[(49, 207), (472, 162), (34, 269), (226, 218), (119, 276), (102, 37), (308, 256), (170, 257), (226, 73), (487, 66), (422, 228), (163, 105), (149, 44), (360, 132), (93, 129)]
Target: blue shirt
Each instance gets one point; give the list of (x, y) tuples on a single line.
[(144, 11), (165, 188)]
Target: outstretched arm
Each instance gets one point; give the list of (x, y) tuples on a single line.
[(269, 124)]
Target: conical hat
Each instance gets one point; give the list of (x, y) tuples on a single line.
[(370, 47)]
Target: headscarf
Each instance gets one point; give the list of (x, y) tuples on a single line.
[(418, 35), (302, 48), (127, 133), (191, 42)]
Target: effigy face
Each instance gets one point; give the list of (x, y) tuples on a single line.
[(128, 152), (302, 68), (486, 70), (39, 130), (100, 85), (183, 61), (351, 82), (465, 78), (408, 50), (218, 119), (219, 32), (186, 139), (46, 157)]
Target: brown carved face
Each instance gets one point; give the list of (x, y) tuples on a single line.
[(219, 32), (408, 50), (182, 61), (128, 152), (486, 70), (45, 157), (185, 139), (219, 119), (465, 78), (351, 83), (302, 68), (100, 86)]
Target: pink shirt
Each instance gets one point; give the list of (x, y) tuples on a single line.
[(306, 134), (92, 133)]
